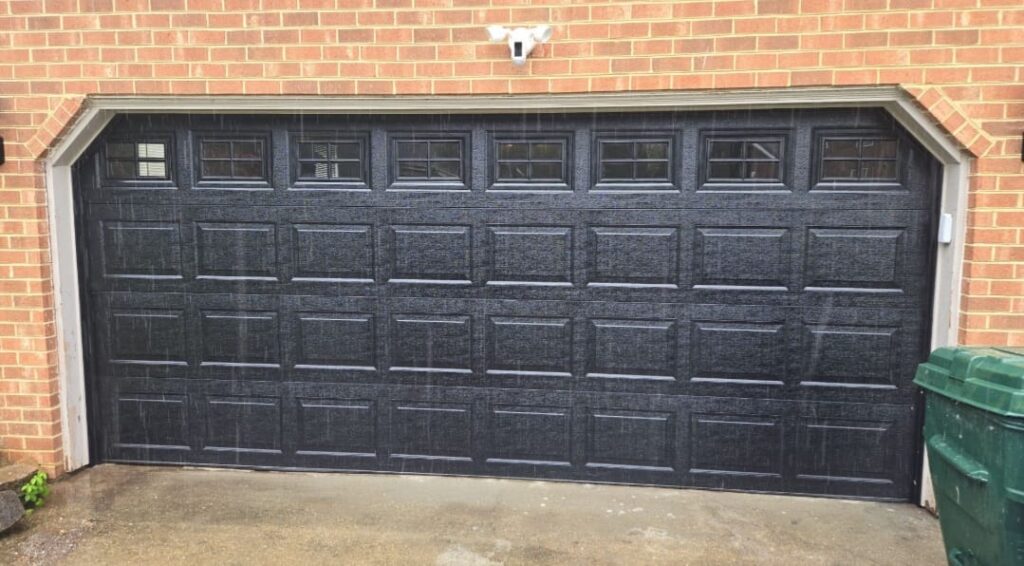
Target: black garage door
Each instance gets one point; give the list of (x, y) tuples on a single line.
[(733, 300)]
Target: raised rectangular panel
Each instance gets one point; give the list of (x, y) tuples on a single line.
[(632, 349), (153, 421), (844, 449), (337, 426), (866, 356), (739, 351), (243, 250), (742, 257), (336, 341), (141, 250), (633, 256), (243, 424), (239, 338), (155, 337), (326, 252), (630, 439), (533, 435), (431, 343), (436, 431), (431, 254), (736, 444), (530, 255), (855, 258), (530, 346)]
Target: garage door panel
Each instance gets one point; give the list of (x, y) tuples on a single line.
[(335, 430), (529, 255), (153, 422), (434, 344), (729, 300), (150, 419), (148, 336), (713, 257), (242, 424), (342, 253), (741, 446), (630, 440), (140, 250), (868, 343), (743, 257), (708, 441), (439, 254), (632, 348), (141, 335), (739, 352), (777, 352), (239, 339), (866, 437), (345, 341), (686, 126), (532, 435), (236, 250), (855, 259), (641, 256), (529, 346), (150, 248)]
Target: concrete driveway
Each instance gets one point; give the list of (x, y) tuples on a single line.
[(148, 515)]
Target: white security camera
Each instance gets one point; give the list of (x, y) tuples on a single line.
[(521, 41)]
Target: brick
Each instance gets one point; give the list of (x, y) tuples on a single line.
[(735, 80), (651, 11), (957, 37), (748, 43), (811, 78), (635, 65), (712, 27), (650, 82), (612, 12), (693, 9), (865, 40), (811, 42), (1006, 322), (778, 6), (778, 42), (917, 37)]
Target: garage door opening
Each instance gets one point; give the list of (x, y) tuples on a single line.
[(721, 299)]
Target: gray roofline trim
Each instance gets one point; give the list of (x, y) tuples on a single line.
[(894, 99)]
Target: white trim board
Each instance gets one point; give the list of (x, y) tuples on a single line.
[(98, 110)]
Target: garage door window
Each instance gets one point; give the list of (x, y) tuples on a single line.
[(429, 160), (530, 161), (331, 160), (131, 160), (232, 159), (735, 160), (641, 161), (868, 159)]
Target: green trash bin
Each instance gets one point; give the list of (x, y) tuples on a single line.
[(974, 434)]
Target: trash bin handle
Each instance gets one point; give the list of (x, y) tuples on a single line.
[(1015, 495), (958, 557), (961, 462)]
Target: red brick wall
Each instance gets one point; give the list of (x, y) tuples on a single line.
[(962, 59)]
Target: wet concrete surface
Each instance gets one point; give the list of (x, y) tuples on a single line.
[(149, 515)]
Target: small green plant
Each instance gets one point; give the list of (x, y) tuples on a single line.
[(35, 491)]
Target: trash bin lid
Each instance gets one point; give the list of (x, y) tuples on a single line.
[(987, 378)]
